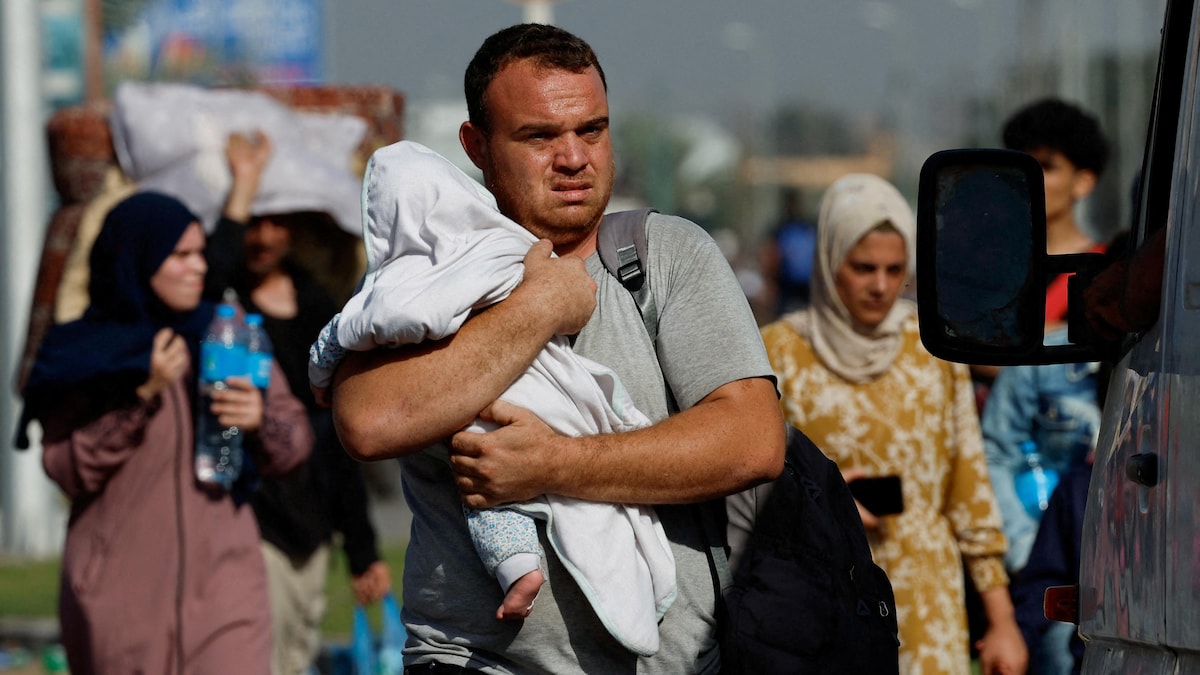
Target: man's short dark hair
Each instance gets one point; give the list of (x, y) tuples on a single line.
[(548, 46), (1058, 125)]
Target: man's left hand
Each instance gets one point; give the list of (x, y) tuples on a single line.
[(509, 464), (370, 586)]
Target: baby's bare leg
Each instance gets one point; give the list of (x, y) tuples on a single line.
[(518, 602)]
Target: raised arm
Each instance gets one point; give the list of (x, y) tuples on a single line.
[(393, 402)]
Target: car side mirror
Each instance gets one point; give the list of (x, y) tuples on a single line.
[(982, 267)]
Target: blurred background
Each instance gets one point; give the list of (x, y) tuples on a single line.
[(718, 108)]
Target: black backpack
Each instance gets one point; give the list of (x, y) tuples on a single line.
[(807, 596)]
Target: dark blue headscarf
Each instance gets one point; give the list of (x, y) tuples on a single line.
[(109, 347)]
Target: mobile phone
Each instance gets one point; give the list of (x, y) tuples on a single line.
[(880, 495)]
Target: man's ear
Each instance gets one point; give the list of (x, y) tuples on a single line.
[(474, 142), (1084, 183)]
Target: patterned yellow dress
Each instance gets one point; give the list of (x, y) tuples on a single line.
[(917, 420)]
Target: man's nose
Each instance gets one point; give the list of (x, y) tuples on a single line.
[(571, 153)]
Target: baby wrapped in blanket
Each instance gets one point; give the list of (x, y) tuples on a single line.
[(437, 249)]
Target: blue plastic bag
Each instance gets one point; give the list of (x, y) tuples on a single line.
[(362, 644), (392, 639), (382, 656)]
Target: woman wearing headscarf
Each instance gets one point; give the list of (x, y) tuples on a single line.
[(854, 376), (159, 574)]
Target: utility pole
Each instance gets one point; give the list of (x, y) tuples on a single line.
[(31, 522), (93, 55), (537, 11)]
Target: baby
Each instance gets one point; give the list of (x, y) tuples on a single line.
[(438, 248)]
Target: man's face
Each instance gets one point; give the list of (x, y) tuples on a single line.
[(1065, 183), (267, 242), (872, 275), (548, 157)]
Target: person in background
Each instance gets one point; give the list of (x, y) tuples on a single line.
[(1055, 407), (854, 376), (1072, 149), (159, 574), (299, 513), (538, 129), (795, 238), (1068, 143)]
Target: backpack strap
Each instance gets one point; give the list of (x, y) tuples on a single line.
[(621, 243)]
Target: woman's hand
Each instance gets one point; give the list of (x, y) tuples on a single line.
[(240, 405), (869, 520), (168, 360), (1002, 650)]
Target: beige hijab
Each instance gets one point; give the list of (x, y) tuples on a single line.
[(853, 206)]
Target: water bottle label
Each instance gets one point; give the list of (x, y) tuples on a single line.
[(218, 362), (260, 369)]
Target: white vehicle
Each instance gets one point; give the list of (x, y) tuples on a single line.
[(981, 274)]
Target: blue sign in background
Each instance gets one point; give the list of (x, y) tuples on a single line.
[(219, 41)]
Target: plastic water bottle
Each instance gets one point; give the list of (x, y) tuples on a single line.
[(219, 453), (259, 354), (1035, 483)]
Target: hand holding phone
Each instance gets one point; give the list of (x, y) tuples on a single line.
[(880, 495)]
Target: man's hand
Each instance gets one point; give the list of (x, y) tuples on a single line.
[(1125, 297), (561, 283), (1103, 299), (504, 465), (241, 405), (394, 402), (374, 583), (247, 157), (169, 359)]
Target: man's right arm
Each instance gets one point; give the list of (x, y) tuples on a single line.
[(394, 402)]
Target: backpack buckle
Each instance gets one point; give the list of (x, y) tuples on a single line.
[(628, 268)]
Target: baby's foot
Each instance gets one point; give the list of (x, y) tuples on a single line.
[(518, 602)]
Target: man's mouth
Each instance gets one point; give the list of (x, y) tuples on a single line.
[(573, 191)]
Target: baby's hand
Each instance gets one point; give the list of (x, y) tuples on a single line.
[(322, 395), (518, 602)]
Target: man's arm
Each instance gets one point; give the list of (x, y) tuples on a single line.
[(247, 157), (731, 440), (1125, 297), (394, 402)]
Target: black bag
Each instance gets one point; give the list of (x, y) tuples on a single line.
[(807, 596)]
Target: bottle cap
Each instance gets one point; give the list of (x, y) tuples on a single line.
[(254, 319), (226, 311)]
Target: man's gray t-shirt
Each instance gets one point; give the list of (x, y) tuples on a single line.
[(707, 338)]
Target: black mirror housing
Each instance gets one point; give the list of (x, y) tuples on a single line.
[(982, 266)]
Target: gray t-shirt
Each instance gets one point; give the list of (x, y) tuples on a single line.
[(707, 338)]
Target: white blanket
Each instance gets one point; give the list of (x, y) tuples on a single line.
[(437, 247), (171, 138)]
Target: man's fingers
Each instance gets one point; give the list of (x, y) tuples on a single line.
[(502, 413), (541, 250)]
